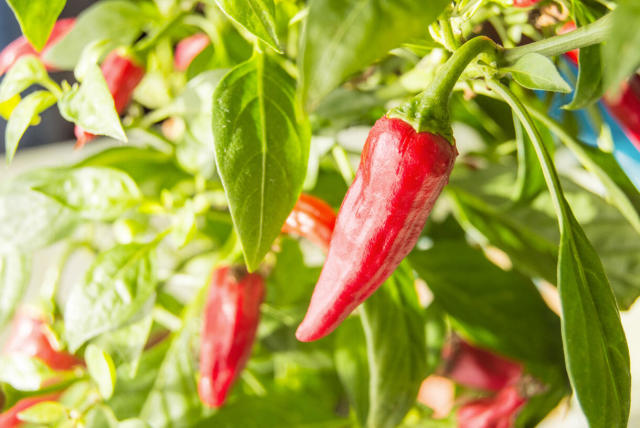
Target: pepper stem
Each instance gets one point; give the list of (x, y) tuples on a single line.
[(429, 111)]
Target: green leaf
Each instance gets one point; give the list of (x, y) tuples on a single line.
[(352, 366), (596, 351), (262, 146), (27, 71), (126, 344), (535, 71), (24, 373), (117, 286), (256, 16), (394, 327), (529, 181), (589, 88), (497, 309), (133, 423), (530, 251), (101, 369), (15, 270), (46, 412), (91, 105), (335, 29), (117, 20), (620, 52), (36, 18), (173, 398), (95, 193), (24, 115), (29, 220)]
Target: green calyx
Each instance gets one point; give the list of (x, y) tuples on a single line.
[(429, 111)]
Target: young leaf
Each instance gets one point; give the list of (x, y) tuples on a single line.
[(116, 20), (95, 193), (352, 366), (22, 116), (535, 71), (36, 18), (335, 29), (589, 88), (15, 269), (101, 369), (394, 327), (262, 145), (30, 220), (117, 286), (620, 53), (257, 16), (45, 413), (497, 309), (24, 373), (91, 105), (27, 71)]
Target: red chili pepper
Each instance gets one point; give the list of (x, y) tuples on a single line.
[(476, 368), (21, 46), (230, 321), (189, 48), (524, 3), (29, 337), (499, 411), (9, 419), (122, 75), (401, 175), (311, 218)]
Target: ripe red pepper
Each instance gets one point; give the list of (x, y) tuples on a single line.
[(477, 368), (29, 337), (499, 411), (401, 174), (122, 75), (405, 163), (21, 46), (230, 321), (311, 218), (189, 48), (9, 419), (524, 3)]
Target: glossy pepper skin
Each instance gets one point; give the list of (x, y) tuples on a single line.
[(401, 174), (9, 418), (477, 368), (311, 218), (122, 75), (230, 321), (21, 46), (28, 336), (499, 411), (189, 48)]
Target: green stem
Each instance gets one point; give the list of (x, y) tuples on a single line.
[(594, 33), (546, 163), (429, 111)]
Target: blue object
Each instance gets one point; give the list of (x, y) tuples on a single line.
[(627, 155)]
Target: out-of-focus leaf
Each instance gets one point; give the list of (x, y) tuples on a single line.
[(24, 373), (262, 145), (118, 21), (589, 88), (24, 115), (335, 29), (15, 269), (535, 71), (125, 345), (27, 71), (91, 106), (620, 53), (36, 18), (101, 369), (46, 412), (95, 193), (117, 286)]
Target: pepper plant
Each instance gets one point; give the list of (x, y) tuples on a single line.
[(457, 176)]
